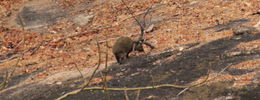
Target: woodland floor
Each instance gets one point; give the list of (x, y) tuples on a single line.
[(54, 37)]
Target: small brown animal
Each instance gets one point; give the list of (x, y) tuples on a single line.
[(123, 46)]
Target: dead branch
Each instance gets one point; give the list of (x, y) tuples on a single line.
[(80, 72), (138, 94), (5, 81), (145, 88), (106, 72), (21, 20), (105, 85), (183, 91), (99, 62), (132, 15), (205, 81), (218, 73), (137, 14), (126, 95), (142, 26), (134, 88), (8, 76)]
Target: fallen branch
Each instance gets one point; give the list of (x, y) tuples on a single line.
[(138, 94), (131, 89), (142, 24), (106, 73)]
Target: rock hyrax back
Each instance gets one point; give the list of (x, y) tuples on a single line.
[(123, 46)]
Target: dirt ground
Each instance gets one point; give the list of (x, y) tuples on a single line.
[(45, 41)]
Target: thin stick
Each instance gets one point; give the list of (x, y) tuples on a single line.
[(105, 85), (183, 91), (206, 81), (21, 21), (99, 62), (152, 78), (137, 94), (219, 73), (80, 72), (126, 95), (132, 89), (132, 15), (106, 72), (9, 77), (4, 83), (147, 12)]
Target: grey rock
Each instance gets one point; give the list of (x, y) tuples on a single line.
[(83, 19)]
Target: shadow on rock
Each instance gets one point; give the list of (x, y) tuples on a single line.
[(189, 66), (227, 26), (149, 70)]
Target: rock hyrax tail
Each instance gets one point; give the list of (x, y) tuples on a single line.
[(123, 46)]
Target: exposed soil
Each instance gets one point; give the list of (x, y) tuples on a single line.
[(191, 38)]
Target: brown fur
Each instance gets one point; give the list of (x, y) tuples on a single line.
[(123, 46)]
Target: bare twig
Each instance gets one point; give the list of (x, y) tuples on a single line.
[(150, 72), (8, 76), (126, 95), (4, 83), (142, 27), (137, 94), (140, 13), (143, 88), (146, 13), (106, 72), (206, 80), (99, 62), (183, 91), (132, 89), (132, 15), (21, 20), (91, 77), (84, 80), (105, 86)]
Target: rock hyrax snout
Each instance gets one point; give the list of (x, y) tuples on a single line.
[(123, 46)]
